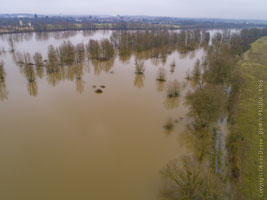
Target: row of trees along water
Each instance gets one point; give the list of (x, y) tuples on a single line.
[(69, 57), (155, 45), (211, 173)]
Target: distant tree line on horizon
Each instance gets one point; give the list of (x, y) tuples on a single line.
[(43, 24)]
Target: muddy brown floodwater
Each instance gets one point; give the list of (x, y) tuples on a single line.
[(61, 140)]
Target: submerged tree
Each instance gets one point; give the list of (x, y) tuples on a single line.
[(27, 59), (3, 91), (52, 68), (38, 59), (100, 51), (52, 56), (80, 52), (196, 75), (188, 180), (31, 78), (106, 50), (66, 53), (11, 43), (93, 49), (206, 104)]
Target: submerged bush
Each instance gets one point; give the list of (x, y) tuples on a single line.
[(169, 125), (2, 72), (161, 75), (98, 91), (173, 64), (173, 89)]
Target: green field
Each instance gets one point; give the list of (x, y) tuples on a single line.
[(253, 68)]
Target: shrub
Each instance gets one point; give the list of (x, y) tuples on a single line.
[(173, 89), (161, 75)]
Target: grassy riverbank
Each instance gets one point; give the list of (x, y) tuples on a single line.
[(245, 141)]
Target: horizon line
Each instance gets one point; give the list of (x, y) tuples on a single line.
[(108, 15)]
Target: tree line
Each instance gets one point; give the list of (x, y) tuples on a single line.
[(216, 82), (225, 50)]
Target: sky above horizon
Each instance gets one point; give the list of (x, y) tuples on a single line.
[(229, 9)]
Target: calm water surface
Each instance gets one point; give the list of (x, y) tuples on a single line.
[(60, 140)]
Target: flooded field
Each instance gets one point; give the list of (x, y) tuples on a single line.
[(59, 139)]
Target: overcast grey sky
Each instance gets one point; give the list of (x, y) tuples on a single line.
[(244, 9)]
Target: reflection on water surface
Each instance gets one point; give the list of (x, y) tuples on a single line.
[(61, 140)]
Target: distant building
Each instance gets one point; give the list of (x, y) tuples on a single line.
[(20, 22)]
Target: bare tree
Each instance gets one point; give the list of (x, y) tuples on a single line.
[(11, 43), (3, 91), (189, 180), (182, 181), (206, 104)]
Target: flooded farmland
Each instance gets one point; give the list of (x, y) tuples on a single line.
[(61, 139)]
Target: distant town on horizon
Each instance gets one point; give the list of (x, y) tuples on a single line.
[(25, 22)]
